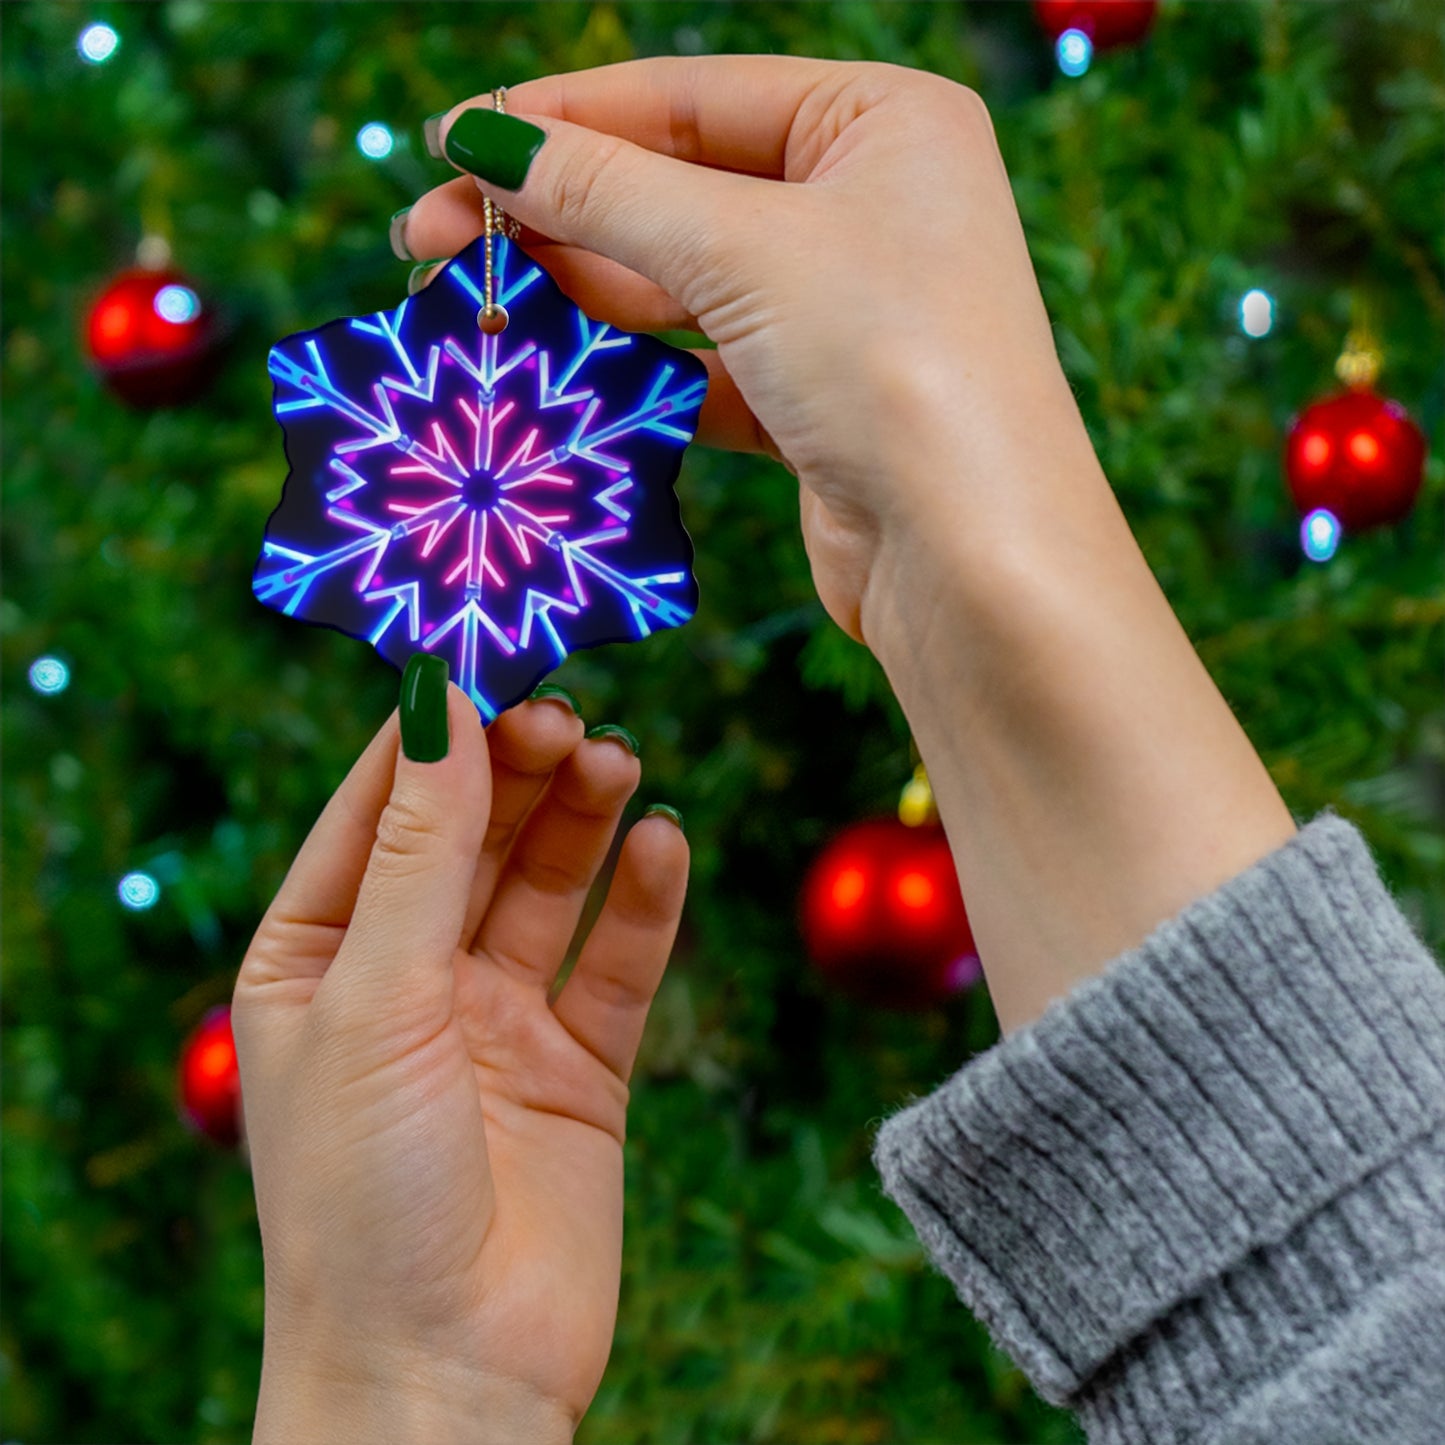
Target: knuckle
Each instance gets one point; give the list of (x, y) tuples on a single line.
[(407, 834), (650, 912), (938, 94), (576, 196), (887, 72), (684, 134), (551, 876), (498, 835), (973, 106), (871, 81), (617, 990)]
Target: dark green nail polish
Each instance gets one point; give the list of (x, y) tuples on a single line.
[(396, 234), (667, 812), (550, 689), (425, 736), (498, 148), (615, 730), (431, 133), (417, 277)]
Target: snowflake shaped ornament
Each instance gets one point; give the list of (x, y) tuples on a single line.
[(500, 499)]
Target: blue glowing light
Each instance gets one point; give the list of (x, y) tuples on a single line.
[(1256, 313), (1319, 535), (49, 675), (375, 140), (1074, 52), (177, 303), (97, 43), (500, 499), (138, 891)]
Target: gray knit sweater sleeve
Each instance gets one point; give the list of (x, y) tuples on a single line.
[(1202, 1198)]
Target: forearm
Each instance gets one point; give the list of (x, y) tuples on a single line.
[(1091, 778)]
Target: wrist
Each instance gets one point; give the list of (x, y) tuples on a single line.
[(994, 469), (980, 528), (398, 1397), (1092, 780)]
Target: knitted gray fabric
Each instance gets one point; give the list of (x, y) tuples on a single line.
[(1202, 1198)]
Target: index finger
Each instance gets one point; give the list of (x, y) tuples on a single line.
[(733, 112)]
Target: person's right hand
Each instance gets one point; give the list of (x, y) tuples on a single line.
[(847, 236), (845, 233)]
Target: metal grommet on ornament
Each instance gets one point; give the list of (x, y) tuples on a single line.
[(493, 318)]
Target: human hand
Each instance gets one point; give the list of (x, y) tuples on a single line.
[(847, 235), (437, 1149), (880, 307)]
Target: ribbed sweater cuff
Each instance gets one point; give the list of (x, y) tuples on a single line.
[(1214, 1106)]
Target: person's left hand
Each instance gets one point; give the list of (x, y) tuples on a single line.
[(436, 1145)]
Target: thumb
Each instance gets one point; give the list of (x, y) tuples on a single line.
[(413, 897), (664, 218)]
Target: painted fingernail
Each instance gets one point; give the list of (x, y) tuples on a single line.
[(420, 275), (497, 147), (615, 730), (665, 811), (431, 133), (550, 689), (396, 233), (425, 736)]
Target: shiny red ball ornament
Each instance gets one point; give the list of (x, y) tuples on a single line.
[(152, 338), (210, 1081), (1107, 23), (1358, 455), (883, 918)]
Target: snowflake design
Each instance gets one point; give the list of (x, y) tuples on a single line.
[(502, 499)]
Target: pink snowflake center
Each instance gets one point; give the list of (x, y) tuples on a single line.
[(481, 490), (483, 481)]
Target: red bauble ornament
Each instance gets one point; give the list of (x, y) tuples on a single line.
[(152, 338), (883, 917), (1107, 23), (1357, 455), (210, 1081)]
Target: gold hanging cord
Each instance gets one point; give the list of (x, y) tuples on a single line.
[(492, 318)]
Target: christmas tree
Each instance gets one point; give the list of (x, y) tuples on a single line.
[(1211, 210)]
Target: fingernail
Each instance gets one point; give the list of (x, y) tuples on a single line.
[(663, 810), (498, 148), (425, 736), (418, 276), (615, 730), (550, 689), (431, 133), (396, 233)]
